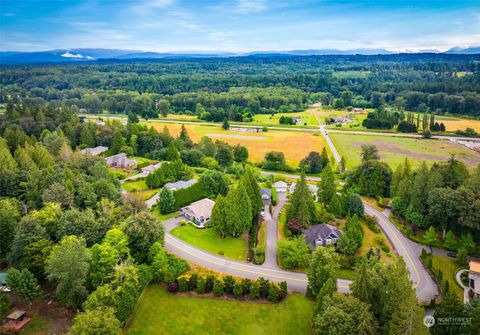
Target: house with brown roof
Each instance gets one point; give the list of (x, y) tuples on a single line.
[(474, 278), (198, 212)]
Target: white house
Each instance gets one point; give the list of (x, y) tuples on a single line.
[(198, 212), (474, 278), (280, 186)]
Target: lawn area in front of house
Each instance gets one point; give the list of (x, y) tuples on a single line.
[(209, 240), (160, 312), (448, 267)]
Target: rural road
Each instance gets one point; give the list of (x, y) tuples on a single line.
[(425, 287), (309, 130)]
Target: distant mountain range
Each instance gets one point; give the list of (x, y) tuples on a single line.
[(88, 55)]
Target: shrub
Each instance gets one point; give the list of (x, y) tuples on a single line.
[(209, 283), (263, 283), (182, 284), (273, 292), (238, 289), (293, 253), (371, 222), (192, 282), (172, 287), (200, 287), (274, 196), (426, 133), (229, 282), (246, 285), (218, 287), (283, 290), (254, 290)]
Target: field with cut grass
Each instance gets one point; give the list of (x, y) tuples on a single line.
[(139, 186), (393, 150), (159, 312), (274, 120), (448, 267), (295, 145), (209, 240)]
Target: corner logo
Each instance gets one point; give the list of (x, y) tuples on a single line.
[(429, 321)]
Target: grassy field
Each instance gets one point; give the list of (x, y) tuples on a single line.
[(159, 312), (38, 325), (209, 240), (137, 185), (448, 267), (164, 217), (274, 120), (393, 150), (295, 145)]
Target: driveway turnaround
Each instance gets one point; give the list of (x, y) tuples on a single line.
[(425, 287)]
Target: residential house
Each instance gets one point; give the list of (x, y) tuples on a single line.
[(180, 184), (280, 186), (266, 196), (121, 161), (340, 119), (321, 235), (198, 212), (297, 120), (94, 151), (313, 189), (151, 168), (474, 278), (358, 110)]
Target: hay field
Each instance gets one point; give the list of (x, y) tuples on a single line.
[(295, 145)]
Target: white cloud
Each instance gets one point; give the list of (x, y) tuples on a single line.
[(79, 56), (250, 6)]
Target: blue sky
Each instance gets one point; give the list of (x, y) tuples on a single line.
[(238, 25)]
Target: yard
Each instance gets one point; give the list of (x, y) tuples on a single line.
[(139, 186), (295, 145), (209, 240), (159, 312), (393, 150), (448, 267)]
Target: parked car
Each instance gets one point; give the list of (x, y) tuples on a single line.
[(451, 254), (5, 288), (262, 213)]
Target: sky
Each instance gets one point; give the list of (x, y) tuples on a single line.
[(238, 25)]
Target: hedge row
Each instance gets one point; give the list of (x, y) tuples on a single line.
[(188, 195), (254, 289)]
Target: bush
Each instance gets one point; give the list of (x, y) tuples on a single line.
[(200, 286), (172, 287), (263, 283), (294, 253), (209, 283), (371, 222), (229, 282), (274, 196), (238, 289), (254, 290), (192, 282), (218, 287), (182, 284), (273, 292), (426, 133)]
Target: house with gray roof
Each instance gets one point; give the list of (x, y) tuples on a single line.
[(94, 151), (121, 161), (266, 195), (180, 184), (321, 235), (280, 186)]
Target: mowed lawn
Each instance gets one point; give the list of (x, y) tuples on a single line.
[(160, 312), (274, 120), (295, 145), (209, 240), (448, 267), (141, 187), (393, 150)]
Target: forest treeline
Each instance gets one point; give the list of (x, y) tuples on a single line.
[(237, 88)]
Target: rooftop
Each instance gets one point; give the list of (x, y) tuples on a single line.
[(201, 208), (474, 265)]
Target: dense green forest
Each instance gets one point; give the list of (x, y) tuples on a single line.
[(238, 87)]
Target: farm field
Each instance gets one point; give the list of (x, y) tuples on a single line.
[(209, 240), (267, 119), (179, 117), (324, 113), (201, 315), (453, 124), (295, 145), (393, 150)]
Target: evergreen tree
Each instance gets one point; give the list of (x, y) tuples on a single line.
[(325, 159), (253, 191), (336, 206), (184, 137), (431, 237), (302, 206), (118, 141), (225, 125), (450, 306), (4, 305), (450, 242), (166, 201), (324, 263), (326, 186), (23, 283), (172, 153)]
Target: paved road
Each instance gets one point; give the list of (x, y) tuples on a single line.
[(425, 287), (296, 281), (271, 258), (322, 130)]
